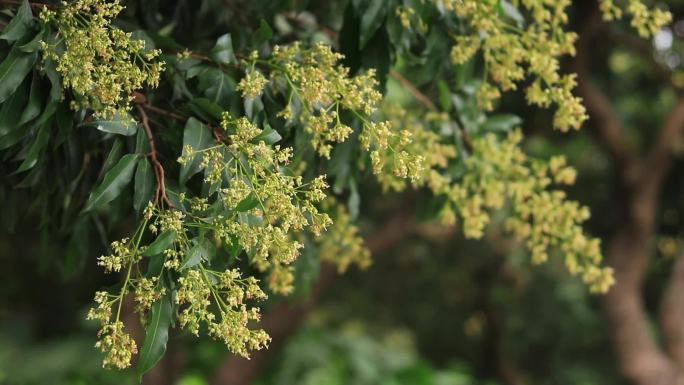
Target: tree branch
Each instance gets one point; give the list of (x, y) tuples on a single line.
[(162, 112), (158, 169), (672, 312), (216, 131), (659, 157), (601, 112), (608, 127), (640, 358), (420, 97)]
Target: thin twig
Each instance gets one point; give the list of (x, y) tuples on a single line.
[(420, 97), (169, 114), (163, 112), (158, 169)]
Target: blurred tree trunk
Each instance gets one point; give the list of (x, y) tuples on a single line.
[(672, 313), (641, 358)]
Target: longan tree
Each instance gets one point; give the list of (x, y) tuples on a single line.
[(226, 149)]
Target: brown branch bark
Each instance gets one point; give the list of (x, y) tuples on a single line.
[(659, 157), (672, 313), (602, 116), (640, 358), (158, 169), (608, 127), (141, 103), (420, 97), (283, 320), (162, 112)]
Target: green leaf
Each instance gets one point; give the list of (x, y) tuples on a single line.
[(142, 144), (202, 250), (47, 113), (65, 122), (36, 149), (223, 50), (50, 68), (502, 122), (253, 107), (10, 112), (13, 70), (268, 135), (197, 136), (35, 102), (144, 185), (250, 202), (116, 125), (34, 44), (263, 34), (508, 9), (354, 201), (113, 156), (156, 335), (115, 180), (372, 15), (216, 86), (20, 24), (444, 96), (163, 242), (14, 137), (376, 55), (234, 247), (349, 39), (206, 107)]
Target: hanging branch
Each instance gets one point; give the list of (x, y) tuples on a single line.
[(158, 169)]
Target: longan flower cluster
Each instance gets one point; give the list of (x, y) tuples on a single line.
[(409, 19), (342, 244), (217, 299), (100, 63), (117, 345), (499, 171), (318, 89), (252, 84), (414, 137), (513, 53), (231, 292), (646, 21), (388, 151), (222, 300), (265, 205), (147, 291), (121, 255)]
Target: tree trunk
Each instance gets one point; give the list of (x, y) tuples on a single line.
[(672, 313), (641, 360)]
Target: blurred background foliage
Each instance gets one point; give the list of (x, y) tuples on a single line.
[(435, 309)]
